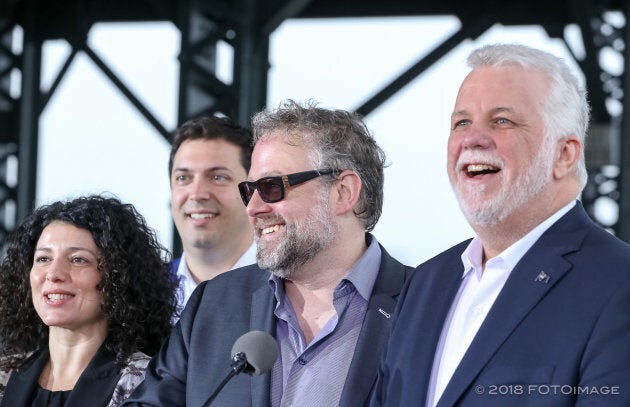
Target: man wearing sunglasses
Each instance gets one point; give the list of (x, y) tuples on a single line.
[(323, 286), (209, 157)]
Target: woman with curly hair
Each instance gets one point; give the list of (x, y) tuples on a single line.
[(85, 296)]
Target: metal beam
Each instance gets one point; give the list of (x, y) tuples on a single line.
[(144, 111), (251, 63), (28, 124), (623, 227), (8, 132), (465, 32)]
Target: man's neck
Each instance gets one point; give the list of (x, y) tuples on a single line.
[(327, 269), (205, 264), (518, 224)]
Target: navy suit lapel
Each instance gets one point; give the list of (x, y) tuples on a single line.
[(438, 286), (374, 332), (371, 341), (534, 276), (263, 301), (262, 319)]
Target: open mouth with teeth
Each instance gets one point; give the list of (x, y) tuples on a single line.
[(473, 170), (270, 229), (201, 215), (58, 297)]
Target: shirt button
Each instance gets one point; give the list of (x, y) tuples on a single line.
[(302, 361)]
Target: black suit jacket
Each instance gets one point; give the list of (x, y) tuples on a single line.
[(196, 358), (545, 342), (102, 383)]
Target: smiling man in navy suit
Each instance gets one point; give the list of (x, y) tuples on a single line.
[(535, 310)]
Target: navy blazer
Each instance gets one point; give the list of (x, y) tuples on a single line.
[(197, 357), (552, 341)]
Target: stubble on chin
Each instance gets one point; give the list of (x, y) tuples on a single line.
[(300, 243)]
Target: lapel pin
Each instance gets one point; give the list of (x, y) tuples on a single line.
[(542, 277), (387, 315)]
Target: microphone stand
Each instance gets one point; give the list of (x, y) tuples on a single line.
[(239, 364)]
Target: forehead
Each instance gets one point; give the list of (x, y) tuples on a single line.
[(274, 155), (208, 152), (67, 233), (489, 88)]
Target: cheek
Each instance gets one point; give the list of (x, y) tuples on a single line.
[(223, 195), (177, 196), (92, 291), (36, 279), (453, 147), (451, 162), (36, 282), (238, 205)]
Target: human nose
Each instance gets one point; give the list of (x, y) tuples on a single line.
[(199, 190), (56, 272), (477, 137), (256, 206)]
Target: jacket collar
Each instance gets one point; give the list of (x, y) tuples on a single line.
[(522, 291), (96, 384), (374, 332)]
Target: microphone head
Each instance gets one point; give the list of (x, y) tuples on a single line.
[(260, 349)]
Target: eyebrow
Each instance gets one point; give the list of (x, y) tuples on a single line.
[(505, 109), (71, 249), (502, 109), (215, 168)]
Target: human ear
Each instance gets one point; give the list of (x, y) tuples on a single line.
[(347, 191), (567, 156)]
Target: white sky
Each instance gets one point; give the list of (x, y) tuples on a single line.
[(93, 140)]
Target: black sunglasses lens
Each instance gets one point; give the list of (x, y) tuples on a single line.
[(271, 189), (247, 190)]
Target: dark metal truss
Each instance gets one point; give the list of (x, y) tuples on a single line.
[(8, 127), (245, 26)]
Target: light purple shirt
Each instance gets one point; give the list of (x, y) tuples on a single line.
[(314, 374)]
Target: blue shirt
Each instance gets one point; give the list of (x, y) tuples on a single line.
[(314, 374)]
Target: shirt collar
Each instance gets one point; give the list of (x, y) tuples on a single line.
[(182, 268), (361, 275), (473, 255), (247, 258)]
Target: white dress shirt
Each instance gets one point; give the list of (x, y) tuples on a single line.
[(479, 289)]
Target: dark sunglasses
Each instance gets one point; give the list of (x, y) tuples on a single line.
[(272, 189)]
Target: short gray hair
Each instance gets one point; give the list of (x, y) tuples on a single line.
[(566, 110), (339, 140)]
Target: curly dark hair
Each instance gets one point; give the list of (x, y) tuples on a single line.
[(139, 292)]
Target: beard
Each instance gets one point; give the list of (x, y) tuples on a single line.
[(302, 240), (481, 211)]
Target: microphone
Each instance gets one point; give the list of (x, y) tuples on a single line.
[(253, 353)]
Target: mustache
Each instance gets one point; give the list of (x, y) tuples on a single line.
[(478, 157), (263, 222)]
